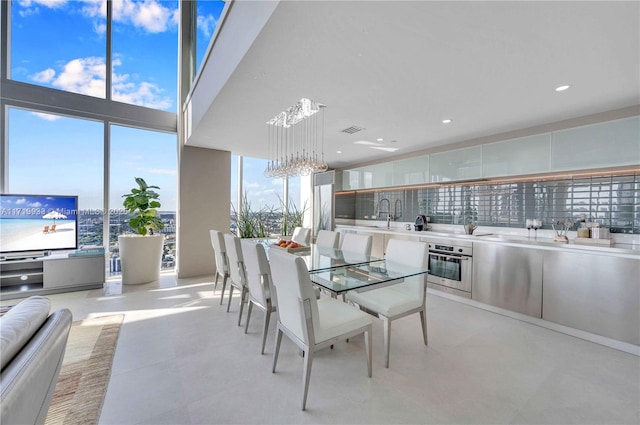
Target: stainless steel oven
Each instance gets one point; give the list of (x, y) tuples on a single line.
[(450, 266)]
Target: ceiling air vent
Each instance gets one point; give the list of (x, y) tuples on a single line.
[(352, 129)]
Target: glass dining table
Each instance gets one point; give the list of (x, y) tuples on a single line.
[(338, 271)]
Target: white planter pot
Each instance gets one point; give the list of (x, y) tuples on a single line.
[(140, 258)]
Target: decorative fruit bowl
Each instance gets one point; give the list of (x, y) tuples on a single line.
[(290, 246)]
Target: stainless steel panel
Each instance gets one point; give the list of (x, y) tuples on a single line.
[(594, 293), (508, 277)]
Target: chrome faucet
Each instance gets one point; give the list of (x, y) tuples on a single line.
[(380, 210), (396, 216)]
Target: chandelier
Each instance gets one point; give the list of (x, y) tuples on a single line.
[(296, 141)]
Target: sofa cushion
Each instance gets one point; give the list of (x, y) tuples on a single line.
[(19, 324)]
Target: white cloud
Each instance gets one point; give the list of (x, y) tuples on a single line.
[(52, 4), (95, 8), (206, 25), (84, 76), (149, 15), (46, 117), (21, 201), (35, 204), (87, 76), (44, 76)]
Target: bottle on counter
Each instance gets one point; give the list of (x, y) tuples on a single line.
[(583, 229)]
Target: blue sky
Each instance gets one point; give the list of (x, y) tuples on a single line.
[(36, 206), (61, 44)]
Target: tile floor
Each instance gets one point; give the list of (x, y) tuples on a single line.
[(181, 359)]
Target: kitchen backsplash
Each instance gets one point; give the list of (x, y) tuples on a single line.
[(613, 201)]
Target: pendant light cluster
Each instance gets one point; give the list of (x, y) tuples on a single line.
[(296, 141)]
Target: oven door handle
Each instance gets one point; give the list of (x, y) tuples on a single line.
[(453, 257)]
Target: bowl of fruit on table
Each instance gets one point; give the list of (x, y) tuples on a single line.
[(290, 246)]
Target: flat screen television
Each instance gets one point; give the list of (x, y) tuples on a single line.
[(34, 223)]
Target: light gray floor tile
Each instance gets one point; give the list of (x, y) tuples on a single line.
[(181, 359)]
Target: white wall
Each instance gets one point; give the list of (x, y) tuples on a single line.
[(204, 197)]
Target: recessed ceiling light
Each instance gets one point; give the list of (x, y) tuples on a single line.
[(365, 142), (338, 151), (446, 121), (562, 88), (380, 139)]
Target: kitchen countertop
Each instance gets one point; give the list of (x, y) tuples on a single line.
[(500, 235)]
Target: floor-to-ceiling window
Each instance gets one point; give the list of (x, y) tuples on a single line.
[(153, 156), (56, 155), (71, 125), (259, 204)]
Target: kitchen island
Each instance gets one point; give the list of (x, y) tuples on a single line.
[(589, 291)]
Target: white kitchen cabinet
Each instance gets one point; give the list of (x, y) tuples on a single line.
[(456, 165), (411, 171), (515, 157), (606, 144)]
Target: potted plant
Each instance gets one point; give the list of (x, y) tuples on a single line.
[(141, 252)]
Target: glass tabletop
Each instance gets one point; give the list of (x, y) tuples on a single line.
[(363, 277), (320, 258)]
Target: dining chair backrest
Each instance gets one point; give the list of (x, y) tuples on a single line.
[(328, 239), (236, 260), (357, 244), (301, 235), (402, 254), (258, 271), (220, 252), (293, 288), (406, 253)]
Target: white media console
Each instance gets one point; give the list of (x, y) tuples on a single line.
[(21, 278)]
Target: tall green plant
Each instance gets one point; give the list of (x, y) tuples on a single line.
[(142, 203), (243, 219), (292, 216)]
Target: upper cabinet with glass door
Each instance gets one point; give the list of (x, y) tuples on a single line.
[(525, 155), (606, 144), (456, 165)]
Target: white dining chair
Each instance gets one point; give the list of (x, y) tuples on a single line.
[(222, 261), (301, 235), (237, 271), (259, 284), (401, 299), (357, 244), (312, 325), (328, 239)]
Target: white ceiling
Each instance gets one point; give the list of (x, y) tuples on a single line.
[(399, 68)]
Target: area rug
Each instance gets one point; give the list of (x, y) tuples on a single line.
[(86, 368)]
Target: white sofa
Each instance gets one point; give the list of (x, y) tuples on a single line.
[(32, 346)]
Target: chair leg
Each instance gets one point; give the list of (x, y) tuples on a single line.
[(230, 297), (215, 284), (224, 286), (266, 328), (368, 349), (277, 349), (243, 295), (246, 326), (423, 321), (387, 340), (308, 360)]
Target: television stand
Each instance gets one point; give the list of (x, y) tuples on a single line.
[(49, 275)]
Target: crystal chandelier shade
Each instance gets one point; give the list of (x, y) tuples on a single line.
[(296, 141)]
